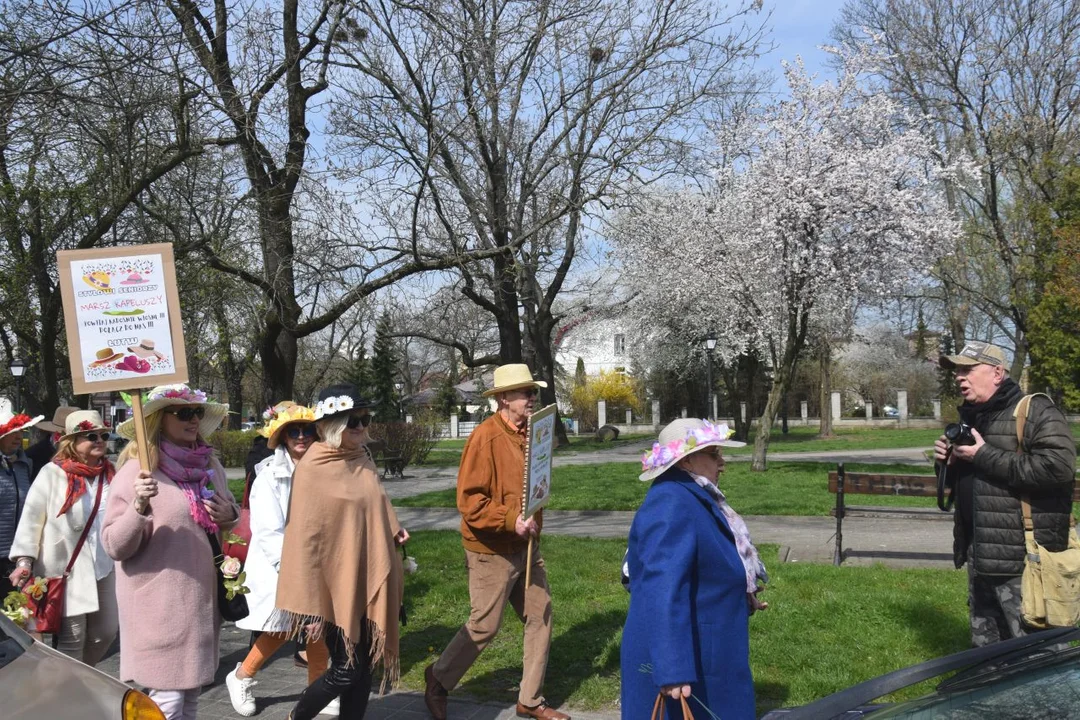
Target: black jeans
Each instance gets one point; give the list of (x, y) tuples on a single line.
[(352, 684)]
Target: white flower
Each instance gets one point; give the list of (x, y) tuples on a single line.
[(344, 402)]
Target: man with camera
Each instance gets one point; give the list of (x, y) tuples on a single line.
[(989, 476)]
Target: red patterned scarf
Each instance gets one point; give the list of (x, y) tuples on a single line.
[(77, 475)]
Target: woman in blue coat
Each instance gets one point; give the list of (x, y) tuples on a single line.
[(693, 581)]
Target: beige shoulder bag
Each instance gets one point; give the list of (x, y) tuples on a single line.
[(1050, 585)]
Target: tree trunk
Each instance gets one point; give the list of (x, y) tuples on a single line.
[(825, 430), (544, 358), (761, 439)]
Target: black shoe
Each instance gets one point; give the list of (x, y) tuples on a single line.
[(298, 661)]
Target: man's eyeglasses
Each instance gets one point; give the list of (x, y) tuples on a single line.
[(307, 430), (185, 414), (356, 421), (530, 392), (94, 437)]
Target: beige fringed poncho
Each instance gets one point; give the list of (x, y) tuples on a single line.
[(338, 559)]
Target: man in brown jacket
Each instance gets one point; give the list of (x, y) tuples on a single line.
[(496, 540)]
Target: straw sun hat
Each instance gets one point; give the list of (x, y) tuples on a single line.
[(281, 418), (82, 421), (165, 396), (513, 377), (681, 438)]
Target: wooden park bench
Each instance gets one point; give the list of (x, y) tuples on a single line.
[(392, 461), (843, 483)]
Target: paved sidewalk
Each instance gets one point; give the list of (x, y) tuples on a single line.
[(280, 683)]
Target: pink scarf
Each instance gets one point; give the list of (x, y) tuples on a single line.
[(189, 469)]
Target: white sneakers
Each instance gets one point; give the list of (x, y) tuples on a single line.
[(334, 708), (240, 695)]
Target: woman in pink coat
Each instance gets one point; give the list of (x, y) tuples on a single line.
[(156, 526)]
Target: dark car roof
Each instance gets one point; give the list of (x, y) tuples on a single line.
[(977, 666)]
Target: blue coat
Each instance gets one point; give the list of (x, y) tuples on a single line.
[(688, 618)]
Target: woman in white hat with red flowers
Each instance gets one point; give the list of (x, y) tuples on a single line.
[(159, 527), (16, 474), (66, 502)]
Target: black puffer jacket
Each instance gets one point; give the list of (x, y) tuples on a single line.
[(999, 476)]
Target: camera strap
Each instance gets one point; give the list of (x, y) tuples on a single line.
[(944, 503)]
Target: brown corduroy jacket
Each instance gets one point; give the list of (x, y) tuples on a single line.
[(491, 481)]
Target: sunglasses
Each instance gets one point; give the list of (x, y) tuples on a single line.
[(530, 392), (94, 437), (356, 421), (295, 431), (186, 414)]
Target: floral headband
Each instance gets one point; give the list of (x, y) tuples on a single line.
[(170, 392), (662, 455), (178, 392), (333, 405)]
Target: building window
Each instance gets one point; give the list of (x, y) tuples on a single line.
[(620, 345)]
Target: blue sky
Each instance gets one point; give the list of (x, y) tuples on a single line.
[(798, 27)]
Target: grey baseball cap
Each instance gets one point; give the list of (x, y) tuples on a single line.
[(974, 353)]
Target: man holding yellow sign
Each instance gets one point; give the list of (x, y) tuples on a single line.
[(496, 538)]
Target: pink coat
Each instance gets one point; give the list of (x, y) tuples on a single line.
[(165, 584)]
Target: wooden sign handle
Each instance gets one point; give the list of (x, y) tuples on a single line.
[(528, 564), (140, 430)]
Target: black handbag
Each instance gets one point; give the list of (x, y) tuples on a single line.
[(231, 610)]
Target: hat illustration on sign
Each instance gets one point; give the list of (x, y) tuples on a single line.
[(105, 356), (145, 349), (134, 279), (98, 280)]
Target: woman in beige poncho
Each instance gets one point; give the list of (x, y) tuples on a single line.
[(339, 568)]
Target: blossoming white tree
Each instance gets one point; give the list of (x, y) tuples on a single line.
[(822, 198)]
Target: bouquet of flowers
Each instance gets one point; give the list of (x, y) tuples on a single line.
[(19, 605), (233, 571)]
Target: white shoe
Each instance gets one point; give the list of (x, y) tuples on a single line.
[(333, 708), (240, 695)]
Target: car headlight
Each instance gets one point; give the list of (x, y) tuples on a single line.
[(137, 706)]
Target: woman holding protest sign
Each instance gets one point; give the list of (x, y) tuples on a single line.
[(60, 528), (161, 525), (694, 578), (290, 432)]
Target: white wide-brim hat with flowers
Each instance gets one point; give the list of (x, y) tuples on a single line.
[(513, 377), (284, 417), (82, 421), (165, 396), (681, 438), (12, 423)]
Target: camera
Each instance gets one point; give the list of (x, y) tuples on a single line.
[(959, 434)]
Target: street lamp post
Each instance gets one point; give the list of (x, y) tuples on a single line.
[(710, 345), (18, 369), (397, 387)]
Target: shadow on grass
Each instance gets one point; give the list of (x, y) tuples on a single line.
[(769, 696), (938, 633), (583, 653)]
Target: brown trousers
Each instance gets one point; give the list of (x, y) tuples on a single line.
[(495, 580)]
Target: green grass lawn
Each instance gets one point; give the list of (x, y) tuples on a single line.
[(805, 439), (786, 488), (827, 628), (448, 452)]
